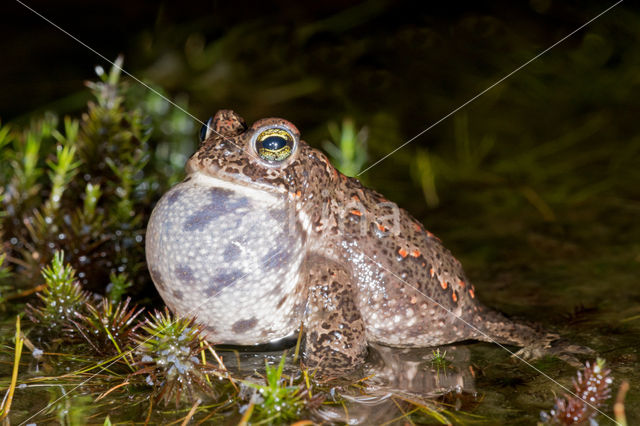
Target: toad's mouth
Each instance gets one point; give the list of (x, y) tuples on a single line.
[(250, 189)]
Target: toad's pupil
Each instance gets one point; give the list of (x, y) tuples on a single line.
[(274, 143)]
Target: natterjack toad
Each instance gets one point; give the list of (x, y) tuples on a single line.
[(264, 236)]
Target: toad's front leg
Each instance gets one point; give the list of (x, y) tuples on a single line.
[(335, 341)]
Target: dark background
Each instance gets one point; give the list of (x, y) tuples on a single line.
[(42, 65)]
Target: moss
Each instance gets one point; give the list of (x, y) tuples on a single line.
[(166, 352), (277, 401), (82, 186), (61, 300)]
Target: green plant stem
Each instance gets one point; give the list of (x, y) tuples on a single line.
[(6, 408)]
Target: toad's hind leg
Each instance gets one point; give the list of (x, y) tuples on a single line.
[(335, 340), (535, 343), (492, 326)]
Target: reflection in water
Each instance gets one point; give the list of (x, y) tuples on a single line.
[(398, 379), (415, 371), (401, 378)]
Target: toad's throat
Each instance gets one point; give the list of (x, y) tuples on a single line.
[(252, 190), (222, 247)]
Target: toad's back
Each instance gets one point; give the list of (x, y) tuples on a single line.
[(410, 289)]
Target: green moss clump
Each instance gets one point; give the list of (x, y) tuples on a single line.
[(61, 299), (83, 186), (108, 327), (276, 402), (167, 351)]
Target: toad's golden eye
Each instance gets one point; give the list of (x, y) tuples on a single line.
[(274, 144)]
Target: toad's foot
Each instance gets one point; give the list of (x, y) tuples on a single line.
[(552, 345), (535, 342)]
